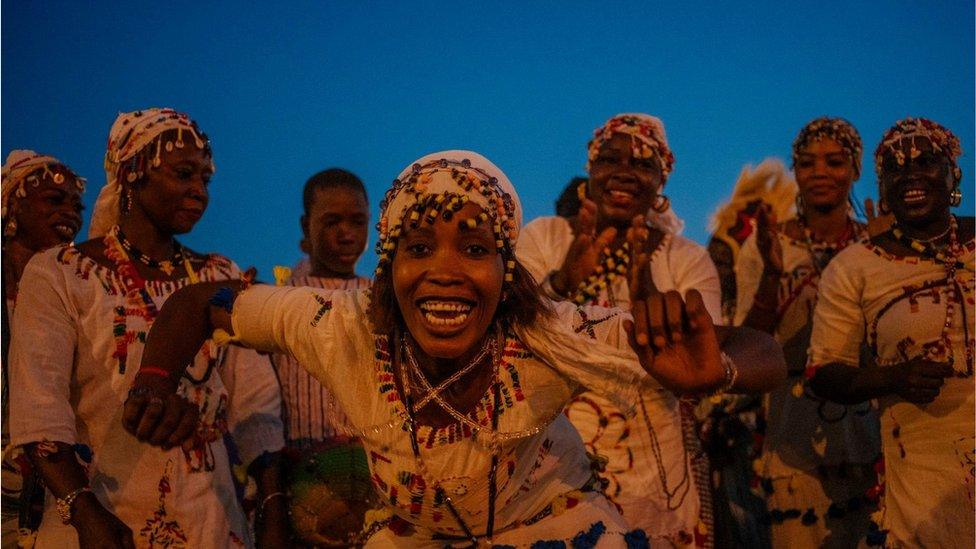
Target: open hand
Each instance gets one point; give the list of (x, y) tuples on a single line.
[(584, 253), (673, 336)]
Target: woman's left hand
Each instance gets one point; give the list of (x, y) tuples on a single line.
[(158, 416), (673, 337)]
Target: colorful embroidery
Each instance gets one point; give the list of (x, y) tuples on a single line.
[(325, 306), (158, 531)]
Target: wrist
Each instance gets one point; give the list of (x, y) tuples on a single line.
[(78, 506), (558, 283)]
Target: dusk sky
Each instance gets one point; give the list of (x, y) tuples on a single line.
[(286, 90)]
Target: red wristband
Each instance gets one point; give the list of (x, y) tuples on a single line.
[(155, 371)]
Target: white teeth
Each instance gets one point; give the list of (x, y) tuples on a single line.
[(914, 195), (445, 306), (451, 321), (64, 230)]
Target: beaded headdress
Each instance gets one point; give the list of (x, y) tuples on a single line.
[(134, 147), (438, 186), (942, 140), (647, 139), (21, 170), (837, 129)]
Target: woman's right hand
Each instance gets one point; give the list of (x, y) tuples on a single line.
[(584, 253), (767, 239), (98, 528), (918, 381)]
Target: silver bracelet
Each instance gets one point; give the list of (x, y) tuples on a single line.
[(64, 505), (268, 498), (731, 374), (549, 290)]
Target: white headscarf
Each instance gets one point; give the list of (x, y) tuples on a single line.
[(20, 165), (132, 133)]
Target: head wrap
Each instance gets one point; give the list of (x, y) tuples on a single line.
[(130, 136), (943, 141), (19, 170), (647, 139), (836, 129), (439, 185)]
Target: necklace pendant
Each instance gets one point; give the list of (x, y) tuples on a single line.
[(166, 267)]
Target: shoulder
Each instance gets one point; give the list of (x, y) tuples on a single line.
[(967, 228)]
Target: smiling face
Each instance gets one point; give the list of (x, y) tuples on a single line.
[(50, 214), (824, 174), (173, 196), (447, 279), (622, 186), (335, 231), (917, 191)]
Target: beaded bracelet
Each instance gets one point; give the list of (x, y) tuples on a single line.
[(154, 371)]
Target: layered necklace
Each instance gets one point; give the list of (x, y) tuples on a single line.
[(491, 347), (166, 265), (949, 257), (820, 258), (612, 263)]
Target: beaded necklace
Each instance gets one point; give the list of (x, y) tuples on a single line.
[(440, 493), (821, 259), (954, 293), (610, 265), (165, 265)]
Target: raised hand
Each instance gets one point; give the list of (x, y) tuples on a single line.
[(584, 253), (877, 222), (767, 239), (918, 380), (673, 337)]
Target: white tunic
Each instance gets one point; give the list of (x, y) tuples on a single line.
[(541, 462), (77, 344), (649, 466), (898, 304)]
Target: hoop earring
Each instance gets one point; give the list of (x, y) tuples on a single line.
[(955, 196), (661, 204)]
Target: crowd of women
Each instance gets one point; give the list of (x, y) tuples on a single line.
[(592, 379)]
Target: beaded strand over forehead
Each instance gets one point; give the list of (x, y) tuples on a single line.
[(426, 205), (647, 139), (26, 169), (836, 129), (942, 139)]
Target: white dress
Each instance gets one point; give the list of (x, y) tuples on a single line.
[(542, 470), (818, 456), (650, 455), (898, 305), (77, 343)]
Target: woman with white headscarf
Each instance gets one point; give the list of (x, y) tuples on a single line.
[(41, 208), (453, 367), (650, 468), (81, 320)]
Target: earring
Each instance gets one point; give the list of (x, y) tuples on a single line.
[(661, 204), (127, 201), (883, 207), (955, 197), (10, 228), (799, 206)]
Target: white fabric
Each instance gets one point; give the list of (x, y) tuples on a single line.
[(312, 413), (802, 443), (441, 182), (329, 334), (928, 449), (70, 389), (636, 484)]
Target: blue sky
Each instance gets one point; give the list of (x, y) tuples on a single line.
[(286, 90)]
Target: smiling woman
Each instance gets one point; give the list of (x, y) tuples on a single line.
[(82, 316), (453, 370)]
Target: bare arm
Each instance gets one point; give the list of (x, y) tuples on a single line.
[(918, 381), (757, 356)]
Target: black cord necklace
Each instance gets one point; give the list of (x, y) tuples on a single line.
[(165, 265)]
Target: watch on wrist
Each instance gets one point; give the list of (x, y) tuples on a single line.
[(64, 505)]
